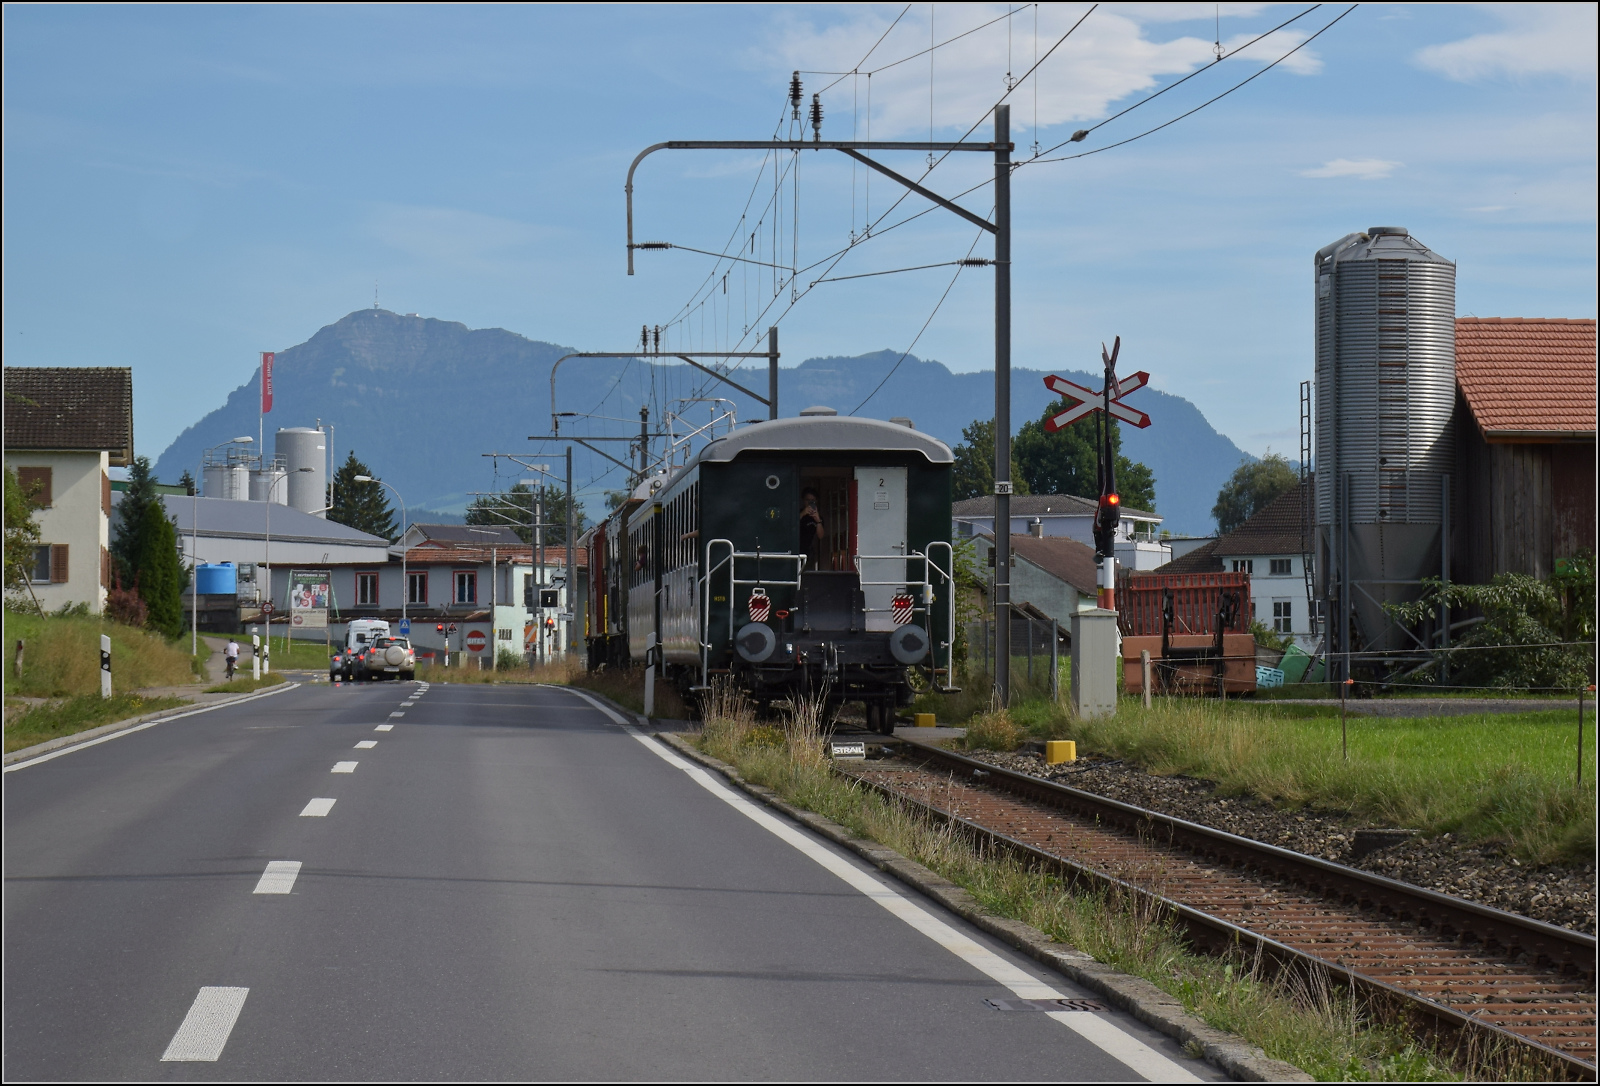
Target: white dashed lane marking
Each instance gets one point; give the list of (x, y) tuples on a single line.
[(279, 876), (345, 767), (317, 808), (397, 714), (206, 1027), (366, 744), (384, 728)]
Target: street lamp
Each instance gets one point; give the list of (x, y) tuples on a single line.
[(194, 543), (268, 563), (405, 581)]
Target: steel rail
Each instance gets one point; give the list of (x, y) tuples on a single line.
[(1447, 916)]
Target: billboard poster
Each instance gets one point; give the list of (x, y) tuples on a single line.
[(267, 358), (309, 592)]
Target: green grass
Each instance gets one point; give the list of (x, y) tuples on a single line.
[(1506, 777), (298, 655), (61, 656), (68, 716), (1309, 1025), (244, 684)]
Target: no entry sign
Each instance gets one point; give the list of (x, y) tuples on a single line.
[(476, 640)]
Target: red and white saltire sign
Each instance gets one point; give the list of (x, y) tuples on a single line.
[(266, 380), (900, 609), (1087, 401)]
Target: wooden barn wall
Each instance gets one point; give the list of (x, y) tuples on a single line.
[(1521, 513), (1471, 549), (1572, 480)]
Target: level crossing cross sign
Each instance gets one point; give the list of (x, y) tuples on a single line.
[(1086, 402)]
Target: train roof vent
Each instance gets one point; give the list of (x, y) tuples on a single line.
[(810, 411), (901, 420)]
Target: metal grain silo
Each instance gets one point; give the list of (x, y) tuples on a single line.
[(302, 447), (1385, 394)]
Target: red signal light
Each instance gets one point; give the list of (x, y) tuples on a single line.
[(1112, 499), (440, 627)]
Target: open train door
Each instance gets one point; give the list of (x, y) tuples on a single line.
[(880, 539)]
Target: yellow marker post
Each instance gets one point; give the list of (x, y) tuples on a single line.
[(925, 720), (1057, 751)]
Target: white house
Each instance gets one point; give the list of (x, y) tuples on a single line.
[(1045, 515), (65, 428)]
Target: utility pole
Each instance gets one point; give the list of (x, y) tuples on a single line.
[(644, 442), (1002, 405), (538, 578), (572, 571), (1000, 228)]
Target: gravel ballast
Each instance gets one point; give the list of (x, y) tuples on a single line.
[(1483, 872)]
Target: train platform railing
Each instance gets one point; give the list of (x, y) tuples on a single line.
[(925, 596), (723, 559)]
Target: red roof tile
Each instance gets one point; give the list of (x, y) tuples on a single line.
[(1527, 376)]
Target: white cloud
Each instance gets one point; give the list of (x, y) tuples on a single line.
[(1108, 59), (1364, 169), (1538, 39)]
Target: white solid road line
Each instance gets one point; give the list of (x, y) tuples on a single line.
[(384, 728), (206, 1027), (1100, 1032), (279, 876), (366, 744), (345, 767), (141, 727), (317, 808)]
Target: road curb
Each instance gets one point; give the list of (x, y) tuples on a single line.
[(1135, 995), (106, 731)]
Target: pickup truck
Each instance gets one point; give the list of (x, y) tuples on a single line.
[(385, 657)]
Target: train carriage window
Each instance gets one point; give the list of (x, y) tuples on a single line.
[(833, 486)]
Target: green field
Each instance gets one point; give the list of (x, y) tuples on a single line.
[(1510, 777), (68, 716)]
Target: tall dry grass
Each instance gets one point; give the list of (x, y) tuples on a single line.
[(61, 656)]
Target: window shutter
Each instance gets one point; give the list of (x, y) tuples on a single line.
[(58, 562), (105, 493), (105, 565), (40, 478)]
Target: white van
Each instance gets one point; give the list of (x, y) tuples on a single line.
[(361, 633)]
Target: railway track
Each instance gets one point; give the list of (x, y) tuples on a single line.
[(1462, 972)]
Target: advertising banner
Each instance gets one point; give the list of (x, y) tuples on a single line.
[(309, 592), (266, 380)]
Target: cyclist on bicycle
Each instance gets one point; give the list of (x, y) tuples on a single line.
[(231, 654)]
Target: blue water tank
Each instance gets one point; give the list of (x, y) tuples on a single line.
[(217, 580)]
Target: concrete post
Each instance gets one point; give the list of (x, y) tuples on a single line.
[(1144, 674), (105, 666), (1094, 663)]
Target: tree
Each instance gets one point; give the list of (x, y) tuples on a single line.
[(1064, 461), (973, 476), (515, 508), (362, 506), (1252, 487), (22, 534), (139, 502), (187, 482), (162, 576)]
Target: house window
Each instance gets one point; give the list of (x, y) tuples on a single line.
[(366, 589), (466, 586), (1282, 567), (1283, 616), (417, 587), (49, 564), (504, 634), (1244, 565), (37, 484)]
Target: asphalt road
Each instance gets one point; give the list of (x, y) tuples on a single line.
[(509, 885)]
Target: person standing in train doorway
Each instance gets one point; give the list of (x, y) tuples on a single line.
[(812, 531)]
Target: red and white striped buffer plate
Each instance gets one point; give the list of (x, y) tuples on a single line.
[(760, 606), (900, 609)]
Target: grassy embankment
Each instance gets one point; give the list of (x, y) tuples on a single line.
[(1311, 1026), (244, 684), (61, 663), (1507, 777)]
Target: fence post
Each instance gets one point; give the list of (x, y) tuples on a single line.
[(1580, 731), (105, 664), (1055, 661), (1030, 650), (1144, 672)]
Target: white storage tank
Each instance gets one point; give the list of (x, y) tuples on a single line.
[(1385, 396), (229, 480), (267, 481), (302, 447)]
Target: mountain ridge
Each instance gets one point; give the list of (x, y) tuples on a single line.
[(465, 392)]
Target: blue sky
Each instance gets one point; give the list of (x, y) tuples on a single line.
[(186, 186)]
